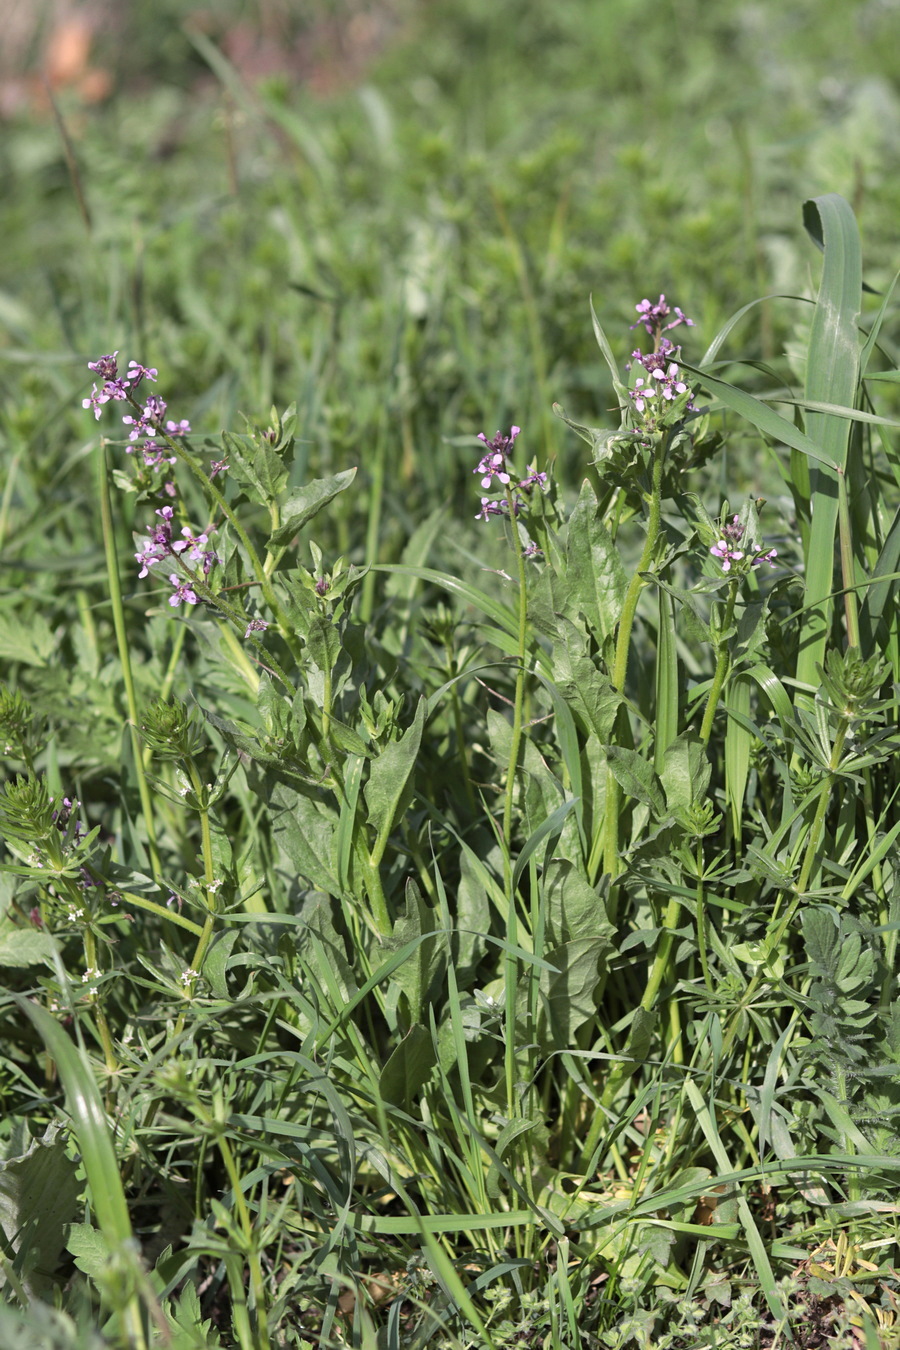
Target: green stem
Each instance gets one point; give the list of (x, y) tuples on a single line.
[(606, 843), (663, 954), (375, 890), (90, 958), (851, 607), (722, 664), (118, 613), (209, 877), (701, 919), (515, 744), (373, 523)]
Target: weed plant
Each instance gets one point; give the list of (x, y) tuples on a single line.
[(451, 902), (518, 961)]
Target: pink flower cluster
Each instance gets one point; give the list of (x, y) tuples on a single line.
[(727, 553), (143, 428), (494, 464)]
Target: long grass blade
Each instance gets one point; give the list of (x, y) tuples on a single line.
[(832, 376)]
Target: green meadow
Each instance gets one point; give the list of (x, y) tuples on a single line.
[(449, 679)]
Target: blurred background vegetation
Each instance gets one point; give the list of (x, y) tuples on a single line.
[(393, 213)]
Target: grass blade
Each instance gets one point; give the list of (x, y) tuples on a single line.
[(832, 376)]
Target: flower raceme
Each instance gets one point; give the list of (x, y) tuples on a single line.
[(660, 384), (653, 318), (494, 464), (148, 426), (728, 553)]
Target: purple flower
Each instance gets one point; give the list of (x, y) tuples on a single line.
[(160, 542), (492, 466), (532, 479), (182, 428), (155, 408), (182, 591), (106, 367), (137, 373), (96, 400), (151, 553), (671, 385), (255, 626), (217, 466), (652, 316), (154, 457), (191, 541), (642, 391), (151, 417), (722, 550)]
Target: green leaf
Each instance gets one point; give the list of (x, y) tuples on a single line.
[(609, 358), (667, 686), (325, 953), (90, 1250), (304, 505), (640, 1035), (685, 773), (769, 422), (389, 788), (636, 777), (567, 994), (832, 375), (598, 438), (572, 906), (594, 570), (258, 468), (414, 976), (408, 1068), (216, 961), (587, 691), (502, 615), (324, 642), (738, 742), (39, 1197), (31, 643), (303, 828), (21, 947)]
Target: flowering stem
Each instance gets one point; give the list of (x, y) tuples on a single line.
[(212, 490), (118, 612), (209, 877), (519, 700), (373, 523), (722, 663), (609, 839), (701, 919), (90, 959)]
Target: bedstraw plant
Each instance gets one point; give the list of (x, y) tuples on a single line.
[(507, 960)]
